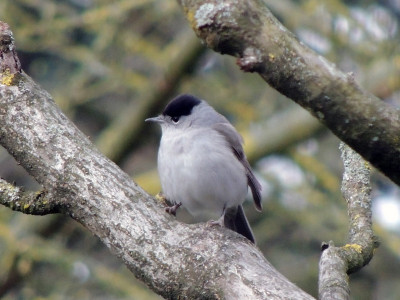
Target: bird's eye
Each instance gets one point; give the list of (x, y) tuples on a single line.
[(175, 119)]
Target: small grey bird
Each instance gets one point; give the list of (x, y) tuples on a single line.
[(202, 165)]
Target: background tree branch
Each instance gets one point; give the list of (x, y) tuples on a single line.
[(248, 31), (126, 129), (337, 262)]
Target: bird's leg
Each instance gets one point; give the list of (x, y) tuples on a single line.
[(219, 222), (172, 209), (227, 218)]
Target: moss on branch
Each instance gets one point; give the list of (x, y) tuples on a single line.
[(32, 203)]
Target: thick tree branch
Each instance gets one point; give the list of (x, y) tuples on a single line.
[(337, 262), (174, 259), (247, 30)]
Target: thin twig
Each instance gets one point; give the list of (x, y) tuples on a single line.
[(32, 203)]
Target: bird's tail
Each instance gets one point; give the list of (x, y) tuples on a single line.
[(238, 222)]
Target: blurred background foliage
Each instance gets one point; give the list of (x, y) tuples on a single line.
[(111, 64)]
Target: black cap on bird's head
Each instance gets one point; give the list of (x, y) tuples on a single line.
[(181, 105)]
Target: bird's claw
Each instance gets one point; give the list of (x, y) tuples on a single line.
[(172, 209), (219, 222)]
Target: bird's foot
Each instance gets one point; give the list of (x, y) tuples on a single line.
[(219, 222), (172, 209)]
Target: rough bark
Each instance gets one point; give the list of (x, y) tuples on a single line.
[(177, 261), (247, 30), (34, 203), (337, 262)]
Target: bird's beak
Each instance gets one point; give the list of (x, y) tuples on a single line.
[(158, 119)]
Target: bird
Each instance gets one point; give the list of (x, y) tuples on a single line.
[(202, 165)]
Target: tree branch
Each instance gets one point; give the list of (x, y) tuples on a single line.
[(356, 191), (10, 65), (247, 30), (175, 260), (337, 262), (33, 203)]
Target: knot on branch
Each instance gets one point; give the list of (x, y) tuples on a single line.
[(251, 61), (226, 28), (9, 62)]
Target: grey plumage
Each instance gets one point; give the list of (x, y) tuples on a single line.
[(236, 141), (202, 164)]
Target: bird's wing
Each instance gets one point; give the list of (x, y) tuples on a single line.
[(235, 141)]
